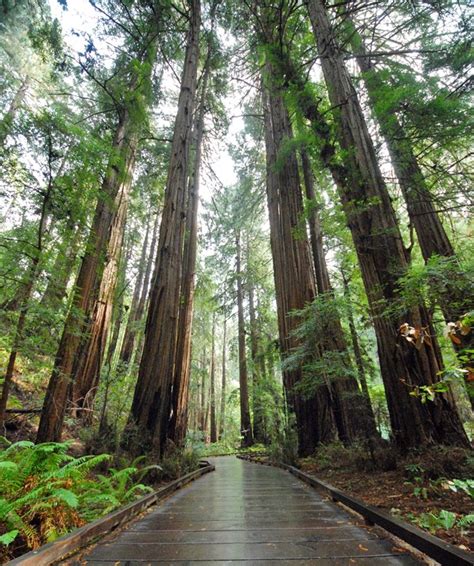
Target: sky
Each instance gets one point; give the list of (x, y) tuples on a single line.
[(81, 18)]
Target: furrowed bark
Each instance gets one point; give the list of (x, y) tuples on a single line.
[(87, 284), (352, 411), (294, 281), (151, 406), (245, 423), (224, 377), (182, 368), (382, 259), (213, 424), (129, 336)]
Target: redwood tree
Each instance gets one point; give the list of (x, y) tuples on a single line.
[(383, 259), (151, 406)]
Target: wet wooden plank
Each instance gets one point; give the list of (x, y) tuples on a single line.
[(242, 536), (239, 551), (401, 560), (248, 514)]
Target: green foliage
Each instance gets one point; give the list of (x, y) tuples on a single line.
[(461, 485), (45, 492), (445, 520), (284, 445), (177, 462)]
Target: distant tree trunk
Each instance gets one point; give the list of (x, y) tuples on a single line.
[(24, 297), (130, 331), (357, 352), (352, 412), (137, 352), (151, 406), (382, 260), (257, 374), (294, 281), (316, 235), (213, 382), (62, 270), (182, 369), (202, 408), (7, 121), (224, 377), (245, 423), (87, 284)]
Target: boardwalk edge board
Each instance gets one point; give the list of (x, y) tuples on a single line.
[(443, 552), (76, 540)]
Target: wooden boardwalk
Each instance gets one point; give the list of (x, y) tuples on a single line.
[(245, 513)]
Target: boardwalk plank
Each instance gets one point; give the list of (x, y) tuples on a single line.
[(246, 514)]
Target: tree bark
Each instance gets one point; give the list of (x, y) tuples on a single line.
[(455, 299), (137, 352), (245, 423), (91, 352), (151, 406), (352, 412), (294, 280), (213, 435), (359, 360), (382, 260), (182, 368), (224, 377), (87, 284), (129, 336), (257, 373)]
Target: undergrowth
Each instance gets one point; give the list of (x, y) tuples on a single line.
[(45, 492)]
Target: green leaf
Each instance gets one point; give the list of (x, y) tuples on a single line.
[(8, 466), (447, 519), (67, 496), (9, 537), (466, 521)]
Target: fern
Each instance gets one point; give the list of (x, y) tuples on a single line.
[(45, 492)]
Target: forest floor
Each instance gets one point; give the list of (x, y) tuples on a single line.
[(416, 489), (392, 492)]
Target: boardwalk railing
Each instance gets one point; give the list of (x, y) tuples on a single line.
[(87, 534), (443, 552)]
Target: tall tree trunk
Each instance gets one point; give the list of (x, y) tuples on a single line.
[(294, 281), (382, 260), (245, 423), (457, 290), (91, 352), (137, 351), (56, 289), (224, 377), (213, 382), (151, 407), (315, 232), (257, 374), (352, 412), (359, 360), (87, 284), (202, 405), (129, 336), (182, 369), (7, 121), (24, 296)]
